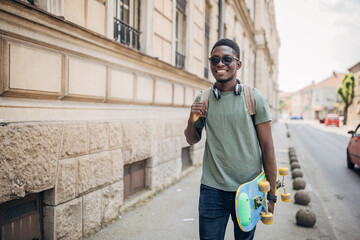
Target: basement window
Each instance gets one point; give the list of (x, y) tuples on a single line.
[(134, 177), (21, 218), (185, 158)]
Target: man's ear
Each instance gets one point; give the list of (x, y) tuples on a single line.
[(238, 65)]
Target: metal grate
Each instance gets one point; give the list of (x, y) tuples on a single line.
[(21, 219), (134, 177), (179, 60), (126, 34)]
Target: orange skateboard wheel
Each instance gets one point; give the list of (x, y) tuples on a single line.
[(267, 218), (283, 171), (264, 186)]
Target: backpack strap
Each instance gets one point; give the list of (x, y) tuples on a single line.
[(249, 99), (205, 97)]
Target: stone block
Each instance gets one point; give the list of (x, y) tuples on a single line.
[(117, 165), (29, 157), (95, 17), (112, 200), (168, 8), (162, 26), (25, 73), (92, 214), (167, 52), (168, 149), (189, 96), (144, 89), (97, 136), (65, 187), (163, 92), (63, 221), (164, 174), (86, 73), (115, 134), (122, 85), (94, 171), (137, 140), (178, 95), (75, 139), (74, 11)]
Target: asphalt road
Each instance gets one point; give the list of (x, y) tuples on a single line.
[(322, 153)]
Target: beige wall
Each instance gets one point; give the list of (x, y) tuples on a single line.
[(84, 105)]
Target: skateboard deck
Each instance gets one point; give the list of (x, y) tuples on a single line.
[(249, 202)]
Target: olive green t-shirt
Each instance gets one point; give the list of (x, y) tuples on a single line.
[(232, 154)]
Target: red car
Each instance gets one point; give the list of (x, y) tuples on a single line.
[(353, 149), (332, 119)]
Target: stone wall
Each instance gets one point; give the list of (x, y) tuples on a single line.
[(79, 166)]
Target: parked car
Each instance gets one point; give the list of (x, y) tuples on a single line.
[(332, 119), (353, 149), (297, 118)]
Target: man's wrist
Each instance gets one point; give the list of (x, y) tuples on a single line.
[(272, 198)]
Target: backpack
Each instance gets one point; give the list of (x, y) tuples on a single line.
[(249, 99)]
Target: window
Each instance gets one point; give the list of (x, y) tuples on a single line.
[(185, 158), (180, 34), (127, 22), (21, 218), (134, 177), (207, 41)]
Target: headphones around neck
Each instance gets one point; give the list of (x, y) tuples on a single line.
[(217, 92)]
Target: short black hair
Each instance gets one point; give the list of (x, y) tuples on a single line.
[(229, 43)]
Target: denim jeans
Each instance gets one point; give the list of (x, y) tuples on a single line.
[(215, 207)]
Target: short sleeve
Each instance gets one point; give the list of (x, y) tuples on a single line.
[(198, 97), (262, 110)]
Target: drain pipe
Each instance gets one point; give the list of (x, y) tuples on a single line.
[(221, 19)]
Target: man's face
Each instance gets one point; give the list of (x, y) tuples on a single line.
[(224, 72)]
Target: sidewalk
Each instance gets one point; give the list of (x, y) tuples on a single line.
[(173, 213)]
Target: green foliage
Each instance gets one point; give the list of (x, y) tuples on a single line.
[(282, 105), (346, 92)]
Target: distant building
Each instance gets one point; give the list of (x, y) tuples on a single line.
[(95, 96), (316, 100), (285, 107), (354, 109)]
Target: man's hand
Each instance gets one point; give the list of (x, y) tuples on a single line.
[(197, 110)]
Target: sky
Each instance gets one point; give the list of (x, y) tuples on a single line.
[(317, 37)]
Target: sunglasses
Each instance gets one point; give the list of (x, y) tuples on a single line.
[(227, 60)]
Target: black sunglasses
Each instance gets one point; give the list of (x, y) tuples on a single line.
[(227, 60)]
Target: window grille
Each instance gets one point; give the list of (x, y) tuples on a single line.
[(127, 22)]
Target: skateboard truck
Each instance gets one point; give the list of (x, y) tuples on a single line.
[(264, 186), (285, 197)]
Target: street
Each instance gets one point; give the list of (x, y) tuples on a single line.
[(333, 188), (322, 155)]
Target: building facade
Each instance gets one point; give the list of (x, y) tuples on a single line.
[(318, 99), (354, 108), (95, 96)]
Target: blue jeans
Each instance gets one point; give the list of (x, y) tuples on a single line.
[(215, 207)]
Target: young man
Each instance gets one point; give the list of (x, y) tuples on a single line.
[(232, 155)]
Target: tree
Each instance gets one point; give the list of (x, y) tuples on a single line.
[(282, 105), (346, 92)]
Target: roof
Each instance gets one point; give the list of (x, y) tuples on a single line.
[(331, 82), (355, 68)]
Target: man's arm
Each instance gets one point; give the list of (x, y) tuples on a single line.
[(268, 153), (193, 134)]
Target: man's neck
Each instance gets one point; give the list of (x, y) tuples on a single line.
[(226, 86)]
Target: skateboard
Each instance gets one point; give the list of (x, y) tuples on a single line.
[(251, 201)]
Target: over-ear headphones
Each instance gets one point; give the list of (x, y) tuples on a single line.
[(217, 93)]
